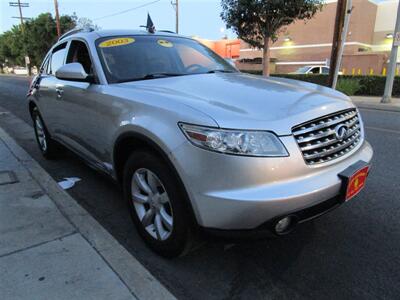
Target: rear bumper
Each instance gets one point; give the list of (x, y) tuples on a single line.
[(244, 193)]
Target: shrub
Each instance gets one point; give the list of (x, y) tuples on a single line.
[(348, 86), (373, 85)]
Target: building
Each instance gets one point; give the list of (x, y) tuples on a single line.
[(224, 47), (366, 49)]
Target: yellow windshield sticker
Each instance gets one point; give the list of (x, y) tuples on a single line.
[(165, 43), (117, 42)]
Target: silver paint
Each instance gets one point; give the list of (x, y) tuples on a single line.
[(226, 191)]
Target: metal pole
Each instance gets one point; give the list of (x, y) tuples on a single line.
[(27, 62), (57, 19), (20, 16), (177, 16), (349, 8), (387, 95), (337, 35)]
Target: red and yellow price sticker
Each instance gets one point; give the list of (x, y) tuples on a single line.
[(116, 42)]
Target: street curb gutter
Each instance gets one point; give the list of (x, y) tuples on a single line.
[(383, 107), (137, 278)]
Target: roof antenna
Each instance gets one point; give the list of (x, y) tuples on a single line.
[(150, 25)]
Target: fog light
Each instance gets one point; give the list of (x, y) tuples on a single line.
[(284, 225)]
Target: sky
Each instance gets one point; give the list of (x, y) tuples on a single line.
[(197, 17)]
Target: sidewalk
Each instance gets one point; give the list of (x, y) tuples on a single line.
[(51, 248), (375, 103)]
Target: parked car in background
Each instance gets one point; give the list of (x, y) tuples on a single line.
[(195, 144), (20, 71), (313, 70)]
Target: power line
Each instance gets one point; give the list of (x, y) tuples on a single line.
[(127, 10)]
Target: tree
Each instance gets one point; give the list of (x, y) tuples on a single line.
[(39, 36), (258, 22), (86, 23)]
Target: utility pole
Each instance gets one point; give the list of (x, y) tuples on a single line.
[(57, 18), (20, 5), (387, 95), (20, 16), (349, 9), (337, 37), (176, 6)]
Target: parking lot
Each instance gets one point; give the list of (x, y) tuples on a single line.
[(350, 253)]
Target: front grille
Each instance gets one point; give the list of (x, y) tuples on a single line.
[(319, 140)]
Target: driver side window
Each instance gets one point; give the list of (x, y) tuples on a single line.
[(78, 52)]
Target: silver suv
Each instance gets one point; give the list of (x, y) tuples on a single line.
[(195, 144)]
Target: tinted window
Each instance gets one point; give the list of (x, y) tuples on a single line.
[(131, 58), (325, 70), (302, 70), (45, 65), (57, 58), (314, 70), (78, 52)]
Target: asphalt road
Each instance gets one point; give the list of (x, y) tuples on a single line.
[(350, 253)]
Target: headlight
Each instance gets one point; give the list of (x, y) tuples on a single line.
[(239, 142)]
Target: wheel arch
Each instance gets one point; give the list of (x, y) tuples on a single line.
[(31, 106), (131, 141)]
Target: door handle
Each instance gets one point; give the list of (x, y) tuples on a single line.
[(60, 92)]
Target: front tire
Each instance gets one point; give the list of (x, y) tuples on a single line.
[(47, 145), (157, 204)]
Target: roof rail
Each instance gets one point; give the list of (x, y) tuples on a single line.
[(75, 30), (168, 31)]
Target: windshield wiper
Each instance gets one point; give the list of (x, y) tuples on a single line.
[(152, 76), (220, 71), (161, 74)]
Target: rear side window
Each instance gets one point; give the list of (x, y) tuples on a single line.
[(325, 70), (57, 58), (45, 65)]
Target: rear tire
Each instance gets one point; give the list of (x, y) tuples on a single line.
[(157, 204), (47, 145)]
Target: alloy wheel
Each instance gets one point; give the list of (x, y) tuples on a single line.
[(152, 204), (41, 134)]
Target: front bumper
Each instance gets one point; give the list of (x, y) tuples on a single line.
[(239, 193)]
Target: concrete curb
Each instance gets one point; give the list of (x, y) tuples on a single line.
[(138, 279), (383, 107)]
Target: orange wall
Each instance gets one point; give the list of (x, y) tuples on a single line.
[(225, 48)]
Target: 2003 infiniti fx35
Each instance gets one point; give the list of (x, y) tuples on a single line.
[(194, 143)]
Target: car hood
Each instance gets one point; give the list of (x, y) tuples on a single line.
[(242, 101)]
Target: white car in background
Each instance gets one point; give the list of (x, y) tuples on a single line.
[(20, 71), (313, 70)]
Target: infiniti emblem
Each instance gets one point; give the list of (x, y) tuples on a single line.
[(341, 131)]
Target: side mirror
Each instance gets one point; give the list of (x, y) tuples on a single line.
[(74, 72)]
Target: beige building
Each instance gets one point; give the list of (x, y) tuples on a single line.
[(367, 45)]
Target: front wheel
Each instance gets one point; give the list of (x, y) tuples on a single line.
[(157, 204)]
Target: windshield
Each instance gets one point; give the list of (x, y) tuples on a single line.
[(130, 58), (302, 70)]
